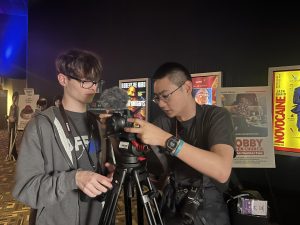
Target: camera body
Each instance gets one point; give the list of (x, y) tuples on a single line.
[(127, 142), (191, 203), (117, 122)]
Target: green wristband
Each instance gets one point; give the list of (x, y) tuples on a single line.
[(178, 149)]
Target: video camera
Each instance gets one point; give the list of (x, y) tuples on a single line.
[(114, 101), (128, 142), (117, 122)]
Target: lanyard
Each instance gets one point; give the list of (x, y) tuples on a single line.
[(66, 121)]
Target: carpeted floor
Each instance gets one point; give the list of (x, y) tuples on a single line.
[(13, 212)]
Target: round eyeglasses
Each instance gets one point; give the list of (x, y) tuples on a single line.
[(165, 97), (86, 84)]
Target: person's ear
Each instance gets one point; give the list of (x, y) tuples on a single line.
[(189, 86), (62, 79)]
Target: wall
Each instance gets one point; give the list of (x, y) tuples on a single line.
[(134, 37)]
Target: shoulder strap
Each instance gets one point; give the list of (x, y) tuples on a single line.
[(42, 140)]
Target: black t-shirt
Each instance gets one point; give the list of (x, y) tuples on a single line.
[(211, 125), (90, 209)]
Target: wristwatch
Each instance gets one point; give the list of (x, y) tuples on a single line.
[(171, 144)]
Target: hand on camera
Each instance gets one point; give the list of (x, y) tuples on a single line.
[(93, 184), (148, 133)]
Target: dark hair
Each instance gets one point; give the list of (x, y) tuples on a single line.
[(176, 73), (79, 63), (57, 97), (42, 102)]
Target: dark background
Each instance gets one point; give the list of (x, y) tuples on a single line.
[(241, 39)]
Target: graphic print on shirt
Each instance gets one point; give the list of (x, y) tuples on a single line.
[(79, 148), (78, 145)]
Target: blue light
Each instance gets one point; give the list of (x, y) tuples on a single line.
[(13, 45), (8, 52)]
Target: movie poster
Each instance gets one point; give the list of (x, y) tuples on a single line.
[(250, 108), (138, 92), (205, 86), (285, 82), (27, 106)]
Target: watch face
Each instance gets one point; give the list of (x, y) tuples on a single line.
[(172, 143)]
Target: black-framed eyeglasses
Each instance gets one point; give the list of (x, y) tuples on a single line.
[(86, 84), (165, 97)]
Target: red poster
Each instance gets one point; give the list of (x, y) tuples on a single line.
[(205, 86)]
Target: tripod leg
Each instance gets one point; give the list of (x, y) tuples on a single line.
[(112, 198), (146, 200), (154, 200), (12, 139), (127, 200), (140, 211)]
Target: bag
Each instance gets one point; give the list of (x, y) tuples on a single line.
[(248, 208), (235, 197)]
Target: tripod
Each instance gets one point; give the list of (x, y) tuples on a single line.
[(12, 142), (131, 173)]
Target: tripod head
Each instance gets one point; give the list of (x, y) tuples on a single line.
[(128, 143), (122, 149)]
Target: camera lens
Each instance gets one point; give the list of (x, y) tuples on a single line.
[(115, 124), (119, 123)]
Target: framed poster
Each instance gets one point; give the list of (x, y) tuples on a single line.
[(205, 86), (27, 106), (250, 108), (285, 83), (138, 92)]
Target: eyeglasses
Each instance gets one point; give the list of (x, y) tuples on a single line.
[(166, 97), (86, 84)]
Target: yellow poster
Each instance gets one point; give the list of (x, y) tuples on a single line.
[(286, 110), (138, 92)]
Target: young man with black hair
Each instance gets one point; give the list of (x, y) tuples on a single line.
[(59, 171), (199, 143)]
